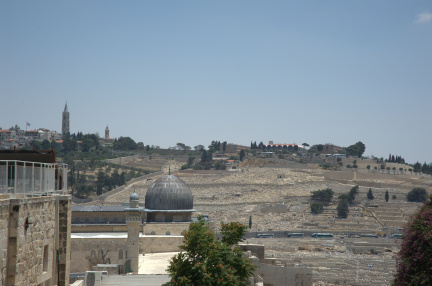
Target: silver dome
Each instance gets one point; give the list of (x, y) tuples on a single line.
[(169, 193)]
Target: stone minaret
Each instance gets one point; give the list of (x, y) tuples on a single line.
[(65, 121), (133, 222), (107, 133)]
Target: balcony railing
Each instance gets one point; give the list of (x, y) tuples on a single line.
[(21, 178)]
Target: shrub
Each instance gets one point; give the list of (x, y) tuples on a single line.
[(416, 195), (317, 208), (370, 195)]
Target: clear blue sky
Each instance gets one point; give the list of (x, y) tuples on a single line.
[(164, 72)]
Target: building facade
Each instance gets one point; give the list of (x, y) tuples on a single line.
[(35, 222)]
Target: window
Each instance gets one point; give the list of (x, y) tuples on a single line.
[(168, 233), (45, 258), (93, 253), (152, 233), (121, 254)]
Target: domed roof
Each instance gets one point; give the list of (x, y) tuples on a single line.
[(169, 193), (134, 197)]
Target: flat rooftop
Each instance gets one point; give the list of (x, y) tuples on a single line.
[(112, 235)]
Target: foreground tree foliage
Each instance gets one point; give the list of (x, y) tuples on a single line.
[(205, 260), (414, 260)]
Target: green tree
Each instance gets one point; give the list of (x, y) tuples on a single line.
[(224, 146), (414, 260), (352, 194), (387, 196), (46, 145), (125, 143), (317, 208), (370, 195), (342, 208), (242, 154), (204, 156), (356, 149), (324, 195), (86, 145), (417, 195), (205, 260)]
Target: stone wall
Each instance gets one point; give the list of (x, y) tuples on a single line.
[(160, 243), (165, 228), (274, 272), (35, 232), (281, 275), (76, 228), (4, 234), (115, 249)]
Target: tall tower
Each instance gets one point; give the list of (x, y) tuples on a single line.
[(107, 133), (133, 223), (65, 121)]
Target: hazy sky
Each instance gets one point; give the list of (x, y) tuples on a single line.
[(164, 72)]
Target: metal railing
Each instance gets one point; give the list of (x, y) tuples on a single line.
[(21, 178)]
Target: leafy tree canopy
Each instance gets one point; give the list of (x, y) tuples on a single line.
[(125, 143), (342, 208), (324, 195), (417, 195), (205, 260), (317, 208), (356, 149), (414, 260)]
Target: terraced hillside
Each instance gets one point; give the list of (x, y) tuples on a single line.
[(277, 197)]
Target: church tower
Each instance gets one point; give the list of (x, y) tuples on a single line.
[(65, 121), (107, 133)]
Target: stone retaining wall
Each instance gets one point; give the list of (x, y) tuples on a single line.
[(35, 238)]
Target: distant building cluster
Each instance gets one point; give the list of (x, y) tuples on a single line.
[(17, 138)]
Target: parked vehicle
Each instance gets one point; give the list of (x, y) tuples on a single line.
[(322, 235), (295, 235), (265, 235)]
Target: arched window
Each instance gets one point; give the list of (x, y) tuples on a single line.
[(168, 233), (93, 253), (152, 233), (100, 252), (120, 253)]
